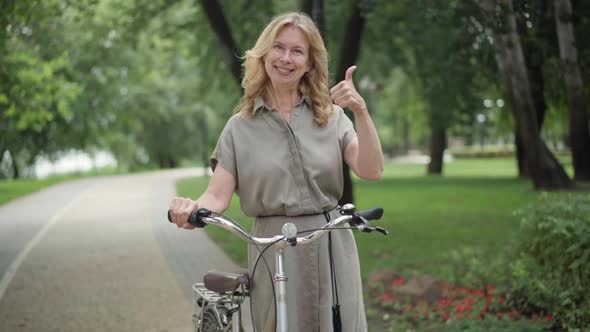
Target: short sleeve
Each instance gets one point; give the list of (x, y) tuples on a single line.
[(346, 130), (224, 152)]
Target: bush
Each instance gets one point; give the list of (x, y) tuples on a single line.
[(551, 269)]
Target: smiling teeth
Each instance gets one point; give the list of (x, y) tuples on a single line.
[(284, 71)]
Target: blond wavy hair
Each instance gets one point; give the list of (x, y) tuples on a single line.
[(313, 84)]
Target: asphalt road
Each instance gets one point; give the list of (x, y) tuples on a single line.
[(99, 255)]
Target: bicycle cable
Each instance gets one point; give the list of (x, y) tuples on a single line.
[(319, 229), (260, 255)]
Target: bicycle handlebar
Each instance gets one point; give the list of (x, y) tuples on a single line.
[(201, 217)]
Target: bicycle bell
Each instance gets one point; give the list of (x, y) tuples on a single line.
[(289, 231)]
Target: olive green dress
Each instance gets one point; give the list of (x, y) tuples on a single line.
[(292, 172)]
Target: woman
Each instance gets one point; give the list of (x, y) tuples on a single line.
[(282, 154)]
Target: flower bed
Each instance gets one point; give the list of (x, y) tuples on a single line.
[(436, 303)]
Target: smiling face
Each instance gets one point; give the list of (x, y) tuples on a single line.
[(288, 58)]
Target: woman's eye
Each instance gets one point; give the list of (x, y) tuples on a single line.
[(298, 51), (278, 47)]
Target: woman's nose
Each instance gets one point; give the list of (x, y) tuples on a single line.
[(286, 56)]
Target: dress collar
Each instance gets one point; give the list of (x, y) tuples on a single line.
[(260, 105)]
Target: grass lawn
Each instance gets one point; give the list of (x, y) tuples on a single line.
[(11, 189), (473, 205)]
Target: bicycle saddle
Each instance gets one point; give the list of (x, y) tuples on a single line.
[(222, 282)]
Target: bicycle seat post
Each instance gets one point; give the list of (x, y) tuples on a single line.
[(280, 280)]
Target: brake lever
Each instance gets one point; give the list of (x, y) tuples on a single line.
[(363, 225), (381, 230)]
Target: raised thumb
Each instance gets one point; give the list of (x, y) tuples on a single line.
[(349, 71)]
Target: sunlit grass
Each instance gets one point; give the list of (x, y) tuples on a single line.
[(11, 189)]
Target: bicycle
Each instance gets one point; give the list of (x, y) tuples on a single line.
[(217, 301)]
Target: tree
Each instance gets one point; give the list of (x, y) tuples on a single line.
[(222, 30), (35, 86), (431, 45), (534, 21), (546, 172), (577, 100)]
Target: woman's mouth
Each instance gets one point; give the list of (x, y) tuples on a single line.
[(283, 71)]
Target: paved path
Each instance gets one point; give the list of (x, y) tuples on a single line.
[(99, 255)]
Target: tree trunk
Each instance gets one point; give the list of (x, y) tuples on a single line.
[(523, 171), (546, 172), (535, 55), (508, 92), (349, 52), (351, 45), (578, 116), (315, 10), (218, 23), (535, 72), (14, 165), (438, 143)]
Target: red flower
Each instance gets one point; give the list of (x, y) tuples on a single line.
[(398, 282), (501, 300), (386, 298), (490, 288), (549, 318), (459, 308)]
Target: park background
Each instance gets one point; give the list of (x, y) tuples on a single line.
[(481, 107)]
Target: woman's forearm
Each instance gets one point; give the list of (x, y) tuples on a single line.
[(213, 203), (370, 154)]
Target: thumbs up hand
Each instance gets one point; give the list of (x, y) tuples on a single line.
[(344, 94)]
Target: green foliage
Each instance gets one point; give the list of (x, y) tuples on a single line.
[(97, 74), (553, 269), (40, 92), (473, 267), (546, 266)]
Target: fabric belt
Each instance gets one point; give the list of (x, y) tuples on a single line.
[(301, 215)]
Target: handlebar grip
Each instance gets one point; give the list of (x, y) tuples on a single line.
[(195, 218), (371, 214)]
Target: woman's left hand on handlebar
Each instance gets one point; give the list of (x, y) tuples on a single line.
[(180, 210)]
